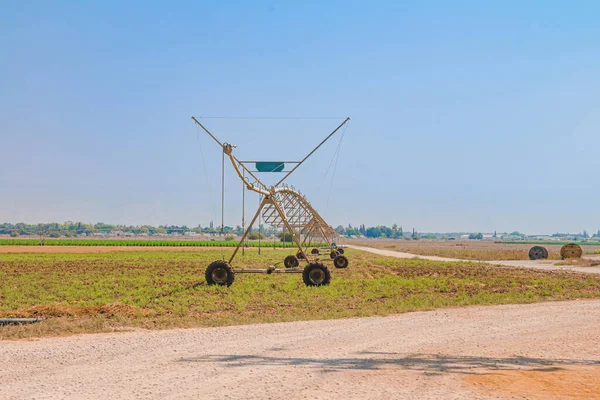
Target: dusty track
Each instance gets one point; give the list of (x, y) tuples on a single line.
[(538, 264), (538, 351)]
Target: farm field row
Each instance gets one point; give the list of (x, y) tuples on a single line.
[(468, 250), (141, 243), (92, 292)]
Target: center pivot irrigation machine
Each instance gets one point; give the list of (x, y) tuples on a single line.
[(283, 207)]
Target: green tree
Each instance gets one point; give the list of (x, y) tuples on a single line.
[(255, 236), (287, 237)]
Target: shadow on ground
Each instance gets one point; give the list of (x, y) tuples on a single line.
[(429, 363)]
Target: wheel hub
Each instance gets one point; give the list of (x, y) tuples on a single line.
[(317, 276), (219, 275)]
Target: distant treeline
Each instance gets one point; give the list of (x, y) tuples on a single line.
[(380, 231), (73, 229)]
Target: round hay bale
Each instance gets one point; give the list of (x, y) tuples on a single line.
[(571, 250), (538, 253)]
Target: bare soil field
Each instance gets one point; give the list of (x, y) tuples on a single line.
[(589, 264), (466, 250), (541, 351)]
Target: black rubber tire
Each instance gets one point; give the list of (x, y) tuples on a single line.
[(219, 273), (316, 274), (340, 250), (538, 253), (333, 254), (341, 261), (314, 251), (291, 262), (300, 255)]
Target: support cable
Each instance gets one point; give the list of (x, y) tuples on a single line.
[(312, 152), (212, 202), (337, 156)]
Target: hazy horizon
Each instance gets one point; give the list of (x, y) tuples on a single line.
[(465, 117), (407, 230)]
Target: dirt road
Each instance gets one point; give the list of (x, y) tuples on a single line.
[(538, 264), (538, 351)]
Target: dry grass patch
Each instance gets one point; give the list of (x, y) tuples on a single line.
[(580, 262), (46, 311)]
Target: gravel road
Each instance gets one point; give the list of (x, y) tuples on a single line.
[(538, 264), (537, 351)]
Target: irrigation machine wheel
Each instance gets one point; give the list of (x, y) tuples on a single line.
[(571, 250), (291, 262), (340, 250), (316, 274), (333, 254), (300, 255), (314, 251), (340, 261), (538, 253), (219, 273)]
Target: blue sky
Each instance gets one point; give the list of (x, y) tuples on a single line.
[(466, 115)]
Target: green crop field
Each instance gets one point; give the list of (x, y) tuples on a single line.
[(100, 292), (144, 243)]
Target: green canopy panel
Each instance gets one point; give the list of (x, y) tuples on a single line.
[(270, 166)]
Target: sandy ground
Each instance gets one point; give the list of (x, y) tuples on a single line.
[(537, 264), (537, 351)]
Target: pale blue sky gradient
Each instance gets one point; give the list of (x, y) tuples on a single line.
[(466, 115)]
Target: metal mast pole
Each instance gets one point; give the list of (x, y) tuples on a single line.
[(243, 211), (223, 194), (260, 200)]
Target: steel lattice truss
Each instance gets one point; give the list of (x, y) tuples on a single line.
[(299, 213)]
